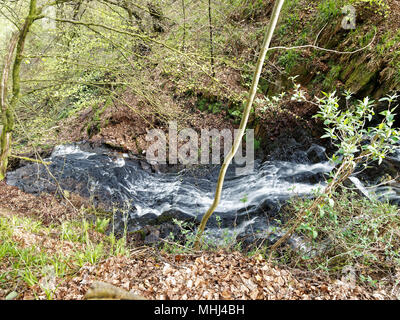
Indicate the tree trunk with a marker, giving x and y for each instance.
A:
(253, 90)
(5, 151)
(5, 136)
(211, 38)
(7, 109)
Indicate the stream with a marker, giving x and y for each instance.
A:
(145, 194)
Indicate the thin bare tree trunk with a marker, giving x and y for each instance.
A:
(211, 38)
(253, 90)
(184, 26)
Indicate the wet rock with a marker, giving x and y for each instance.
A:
(169, 215)
(288, 150)
(145, 166)
(306, 177)
(169, 229)
(317, 153)
(152, 235)
(270, 208)
(147, 218)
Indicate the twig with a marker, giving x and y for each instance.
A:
(325, 49)
(29, 159)
(319, 33)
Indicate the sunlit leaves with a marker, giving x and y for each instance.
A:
(348, 128)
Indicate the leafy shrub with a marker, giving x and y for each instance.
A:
(356, 145)
(351, 231)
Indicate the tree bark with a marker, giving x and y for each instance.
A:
(211, 38)
(253, 90)
(5, 136)
(7, 110)
(5, 151)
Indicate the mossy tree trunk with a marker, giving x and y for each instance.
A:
(7, 109)
(5, 151)
(5, 135)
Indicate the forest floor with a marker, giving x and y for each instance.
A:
(51, 252)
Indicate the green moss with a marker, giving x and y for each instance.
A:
(359, 77)
(164, 218)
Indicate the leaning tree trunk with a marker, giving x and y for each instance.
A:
(5, 135)
(253, 90)
(7, 109)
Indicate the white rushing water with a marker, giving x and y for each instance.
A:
(114, 179)
(249, 203)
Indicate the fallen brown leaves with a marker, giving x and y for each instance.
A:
(158, 275)
(44, 207)
(227, 276)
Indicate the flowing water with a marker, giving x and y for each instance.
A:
(248, 205)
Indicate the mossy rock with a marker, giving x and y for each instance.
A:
(360, 78)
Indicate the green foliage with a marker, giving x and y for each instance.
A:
(214, 107)
(387, 42)
(183, 243)
(289, 59)
(32, 265)
(94, 125)
(367, 37)
(347, 129)
(80, 96)
(350, 230)
(378, 6)
(248, 10)
(102, 225)
(290, 18)
(269, 103)
(235, 111)
(329, 9)
(257, 144)
(388, 48)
